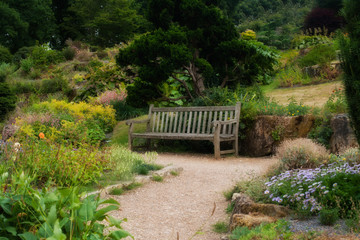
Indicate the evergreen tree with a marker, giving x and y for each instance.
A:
(350, 52)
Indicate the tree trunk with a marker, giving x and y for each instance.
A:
(197, 78)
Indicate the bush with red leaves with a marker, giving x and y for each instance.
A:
(323, 18)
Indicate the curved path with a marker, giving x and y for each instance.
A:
(182, 205)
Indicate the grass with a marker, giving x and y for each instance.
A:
(174, 173)
(157, 178)
(120, 134)
(220, 227)
(125, 188)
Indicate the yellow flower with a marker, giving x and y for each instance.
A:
(344, 159)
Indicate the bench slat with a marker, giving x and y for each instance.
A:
(162, 121)
(153, 122)
(175, 123)
(209, 122)
(189, 122)
(230, 125)
(194, 122)
(180, 122)
(204, 123)
(167, 114)
(158, 122)
(185, 123)
(199, 123)
(225, 119)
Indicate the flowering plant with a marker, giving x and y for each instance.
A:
(312, 189)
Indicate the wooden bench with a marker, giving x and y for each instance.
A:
(216, 124)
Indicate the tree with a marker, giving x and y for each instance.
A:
(23, 22)
(194, 38)
(335, 5)
(7, 98)
(350, 52)
(102, 23)
(323, 18)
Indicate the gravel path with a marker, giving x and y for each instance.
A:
(182, 205)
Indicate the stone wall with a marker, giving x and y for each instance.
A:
(268, 131)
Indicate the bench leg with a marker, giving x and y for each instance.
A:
(148, 144)
(130, 143)
(217, 148)
(236, 147)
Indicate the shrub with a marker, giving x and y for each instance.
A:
(26, 86)
(26, 65)
(69, 53)
(157, 178)
(305, 41)
(124, 111)
(331, 186)
(329, 216)
(5, 55)
(42, 56)
(351, 155)
(54, 214)
(320, 54)
(248, 35)
(108, 97)
(292, 76)
(7, 99)
(300, 153)
(55, 84)
(322, 132)
(220, 227)
(5, 70)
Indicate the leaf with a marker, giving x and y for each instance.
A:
(100, 214)
(86, 211)
(3, 238)
(58, 235)
(11, 230)
(6, 205)
(27, 236)
(115, 222)
(120, 234)
(109, 201)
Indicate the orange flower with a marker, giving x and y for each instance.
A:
(41, 135)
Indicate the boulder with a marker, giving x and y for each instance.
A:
(343, 136)
(268, 131)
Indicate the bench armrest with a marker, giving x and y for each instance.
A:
(129, 122)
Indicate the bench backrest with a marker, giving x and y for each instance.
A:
(192, 120)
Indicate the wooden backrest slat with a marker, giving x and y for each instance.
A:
(175, 122)
(193, 109)
(194, 122)
(225, 126)
(158, 122)
(162, 121)
(167, 114)
(209, 123)
(215, 118)
(185, 123)
(153, 121)
(181, 122)
(231, 125)
(199, 123)
(204, 123)
(189, 122)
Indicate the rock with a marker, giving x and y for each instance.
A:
(312, 71)
(249, 220)
(260, 140)
(248, 213)
(243, 204)
(343, 136)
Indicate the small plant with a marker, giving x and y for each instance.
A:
(174, 173)
(300, 153)
(69, 53)
(116, 191)
(26, 65)
(230, 208)
(321, 54)
(132, 186)
(329, 216)
(277, 133)
(157, 178)
(220, 227)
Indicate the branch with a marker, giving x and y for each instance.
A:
(174, 99)
(225, 78)
(184, 84)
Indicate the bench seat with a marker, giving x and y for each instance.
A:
(183, 136)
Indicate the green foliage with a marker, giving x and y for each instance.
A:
(174, 173)
(42, 56)
(102, 23)
(220, 227)
(265, 231)
(5, 55)
(320, 54)
(101, 78)
(337, 102)
(292, 76)
(7, 99)
(5, 70)
(26, 65)
(26, 21)
(157, 178)
(321, 132)
(53, 85)
(116, 191)
(302, 41)
(69, 53)
(350, 53)
(124, 111)
(55, 214)
(143, 168)
(329, 216)
(248, 35)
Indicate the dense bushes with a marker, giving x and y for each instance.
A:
(5, 55)
(7, 97)
(320, 54)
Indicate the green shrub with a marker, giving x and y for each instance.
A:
(21, 54)
(5, 70)
(220, 227)
(43, 56)
(55, 84)
(26, 65)
(5, 55)
(69, 53)
(7, 99)
(319, 55)
(300, 153)
(26, 86)
(322, 132)
(292, 76)
(329, 216)
(116, 191)
(157, 178)
(124, 111)
(54, 214)
(337, 102)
